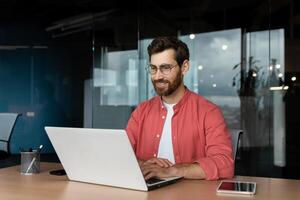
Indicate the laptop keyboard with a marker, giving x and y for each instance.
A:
(153, 180)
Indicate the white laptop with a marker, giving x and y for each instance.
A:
(100, 156)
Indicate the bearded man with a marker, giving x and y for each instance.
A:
(178, 132)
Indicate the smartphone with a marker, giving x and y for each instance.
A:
(236, 187)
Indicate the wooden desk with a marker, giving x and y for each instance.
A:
(44, 186)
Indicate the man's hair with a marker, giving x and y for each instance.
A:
(160, 44)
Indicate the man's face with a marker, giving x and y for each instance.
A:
(165, 85)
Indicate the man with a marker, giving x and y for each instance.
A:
(178, 132)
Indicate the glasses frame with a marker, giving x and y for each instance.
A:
(160, 69)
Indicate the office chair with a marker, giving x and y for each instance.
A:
(235, 138)
(7, 123)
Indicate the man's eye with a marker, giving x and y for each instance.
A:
(153, 68)
(165, 67)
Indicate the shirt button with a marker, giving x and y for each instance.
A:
(157, 135)
(154, 155)
(163, 117)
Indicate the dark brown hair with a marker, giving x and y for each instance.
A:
(160, 44)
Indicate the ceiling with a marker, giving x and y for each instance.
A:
(52, 10)
(61, 18)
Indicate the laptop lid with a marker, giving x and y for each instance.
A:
(99, 156)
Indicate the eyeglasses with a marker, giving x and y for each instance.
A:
(165, 69)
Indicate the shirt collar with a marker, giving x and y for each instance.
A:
(185, 97)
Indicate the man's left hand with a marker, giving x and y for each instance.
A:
(154, 170)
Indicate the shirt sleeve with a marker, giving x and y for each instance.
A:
(218, 162)
(132, 128)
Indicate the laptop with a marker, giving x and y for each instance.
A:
(101, 156)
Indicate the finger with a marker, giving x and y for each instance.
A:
(169, 163)
(141, 162)
(149, 175)
(158, 173)
(142, 168)
(165, 162)
(151, 161)
(147, 169)
(155, 161)
(162, 162)
(145, 172)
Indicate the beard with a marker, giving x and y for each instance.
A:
(171, 86)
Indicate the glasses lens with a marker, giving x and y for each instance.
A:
(165, 69)
(152, 69)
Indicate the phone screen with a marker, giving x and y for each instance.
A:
(237, 186)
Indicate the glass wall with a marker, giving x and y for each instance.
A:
(43, 85)
(238, 61)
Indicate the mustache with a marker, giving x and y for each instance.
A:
(161, 81)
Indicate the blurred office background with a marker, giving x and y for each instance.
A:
(81, 63)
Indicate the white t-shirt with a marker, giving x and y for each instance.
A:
(165, 149)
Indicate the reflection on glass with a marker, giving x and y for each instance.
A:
(212, 57)
(117, 78)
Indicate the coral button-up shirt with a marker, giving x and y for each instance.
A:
(199, 134)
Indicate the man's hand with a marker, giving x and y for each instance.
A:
(156, 167)
(163, 168)
(154, 170)
(162, 162)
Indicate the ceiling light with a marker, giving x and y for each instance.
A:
(279, 88)
(192, 36)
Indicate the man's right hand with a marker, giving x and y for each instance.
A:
(156, 167)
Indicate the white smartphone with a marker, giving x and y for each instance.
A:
(236, 187)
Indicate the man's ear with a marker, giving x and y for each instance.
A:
(185, 67)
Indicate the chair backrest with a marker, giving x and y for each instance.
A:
(7, 123)
(235, 137)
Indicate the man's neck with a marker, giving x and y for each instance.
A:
(176, 96)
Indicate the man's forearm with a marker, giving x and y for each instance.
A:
(189, 171)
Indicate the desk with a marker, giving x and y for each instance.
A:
(14, 186)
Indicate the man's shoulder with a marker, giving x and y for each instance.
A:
(149, 103)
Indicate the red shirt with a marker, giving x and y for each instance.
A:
(199, 134)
